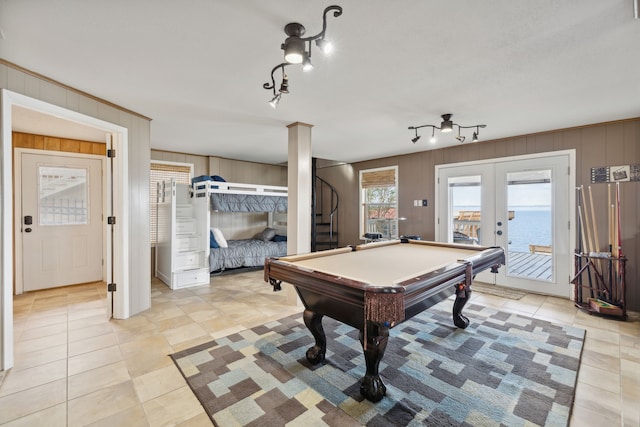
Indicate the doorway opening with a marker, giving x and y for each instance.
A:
(116, 265)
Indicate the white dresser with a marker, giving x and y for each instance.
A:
(182, 248)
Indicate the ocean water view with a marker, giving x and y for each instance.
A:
(531, 225)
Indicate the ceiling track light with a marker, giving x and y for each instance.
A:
(297, 49)
(446, 126)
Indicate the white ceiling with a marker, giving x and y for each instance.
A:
(197, 68)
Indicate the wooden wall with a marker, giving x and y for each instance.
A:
(42, 142)
(607, 144)
(248, 172)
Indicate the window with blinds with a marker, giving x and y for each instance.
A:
(164, 171)
(379, 201)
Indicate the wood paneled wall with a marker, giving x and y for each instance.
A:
(42, 142)
(607, 144)
(248, 172)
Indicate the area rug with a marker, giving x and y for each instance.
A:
(503, 370)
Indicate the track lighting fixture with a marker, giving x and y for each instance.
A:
(297, 50)
(414, 140)
(284, 86)
(446, 126)
(275, 100)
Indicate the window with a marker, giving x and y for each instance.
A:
(379, 201)
(164, 171)
(63, 196)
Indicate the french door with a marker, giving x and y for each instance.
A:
(522, 204)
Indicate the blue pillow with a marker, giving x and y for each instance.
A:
(201, 178)
(218, 178)
(212, 241)
(279, 238)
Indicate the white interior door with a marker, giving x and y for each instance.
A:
(522, 205)
(61, 220)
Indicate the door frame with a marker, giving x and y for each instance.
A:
(17, 169)
(119, 190)
(571, 192)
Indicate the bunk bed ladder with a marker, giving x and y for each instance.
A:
(324, 227)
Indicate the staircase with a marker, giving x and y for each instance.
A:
(324, 211)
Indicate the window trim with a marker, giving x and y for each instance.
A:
(361, 226)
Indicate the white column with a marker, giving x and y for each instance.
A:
(299, 189)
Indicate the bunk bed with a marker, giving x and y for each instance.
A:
(235, 197)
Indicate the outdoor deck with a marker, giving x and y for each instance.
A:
(530, 265)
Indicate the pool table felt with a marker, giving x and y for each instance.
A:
(386, 265)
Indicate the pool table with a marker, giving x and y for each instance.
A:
(374, 287)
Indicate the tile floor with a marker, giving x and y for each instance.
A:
(73, 367)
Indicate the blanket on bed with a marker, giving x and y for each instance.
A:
(245, 253)
(225, 202)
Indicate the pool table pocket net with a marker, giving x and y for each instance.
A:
(384, 307)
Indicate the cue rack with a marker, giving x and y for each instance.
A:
(599, 282)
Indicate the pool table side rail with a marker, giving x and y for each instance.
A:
(374, 245)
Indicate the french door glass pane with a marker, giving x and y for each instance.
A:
(530, 225)
(465, 198)
(63, 195)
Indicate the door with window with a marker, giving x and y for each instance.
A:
(520, 204)
(62, 236)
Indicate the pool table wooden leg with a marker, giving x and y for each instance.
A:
(313, 321)
(374, 345)
(463, 293)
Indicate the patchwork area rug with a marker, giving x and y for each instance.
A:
(504, 369)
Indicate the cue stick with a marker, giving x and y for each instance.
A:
(578, 288)
(594, 222)
(589, 233)
(609, 241)
(587, 227)
(584, 244)
(599, 263)
(588, 244)
(609, 216)
(619, 234)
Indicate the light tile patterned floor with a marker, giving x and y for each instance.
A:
(73, 367)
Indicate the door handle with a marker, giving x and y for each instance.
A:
(28, 220)
(27, 230)
(499, 232)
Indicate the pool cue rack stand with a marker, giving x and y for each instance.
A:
(600, 279)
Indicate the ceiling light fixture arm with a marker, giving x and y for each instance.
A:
(337, 12)
(273, 81)
(423, 126)
(470, 127)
